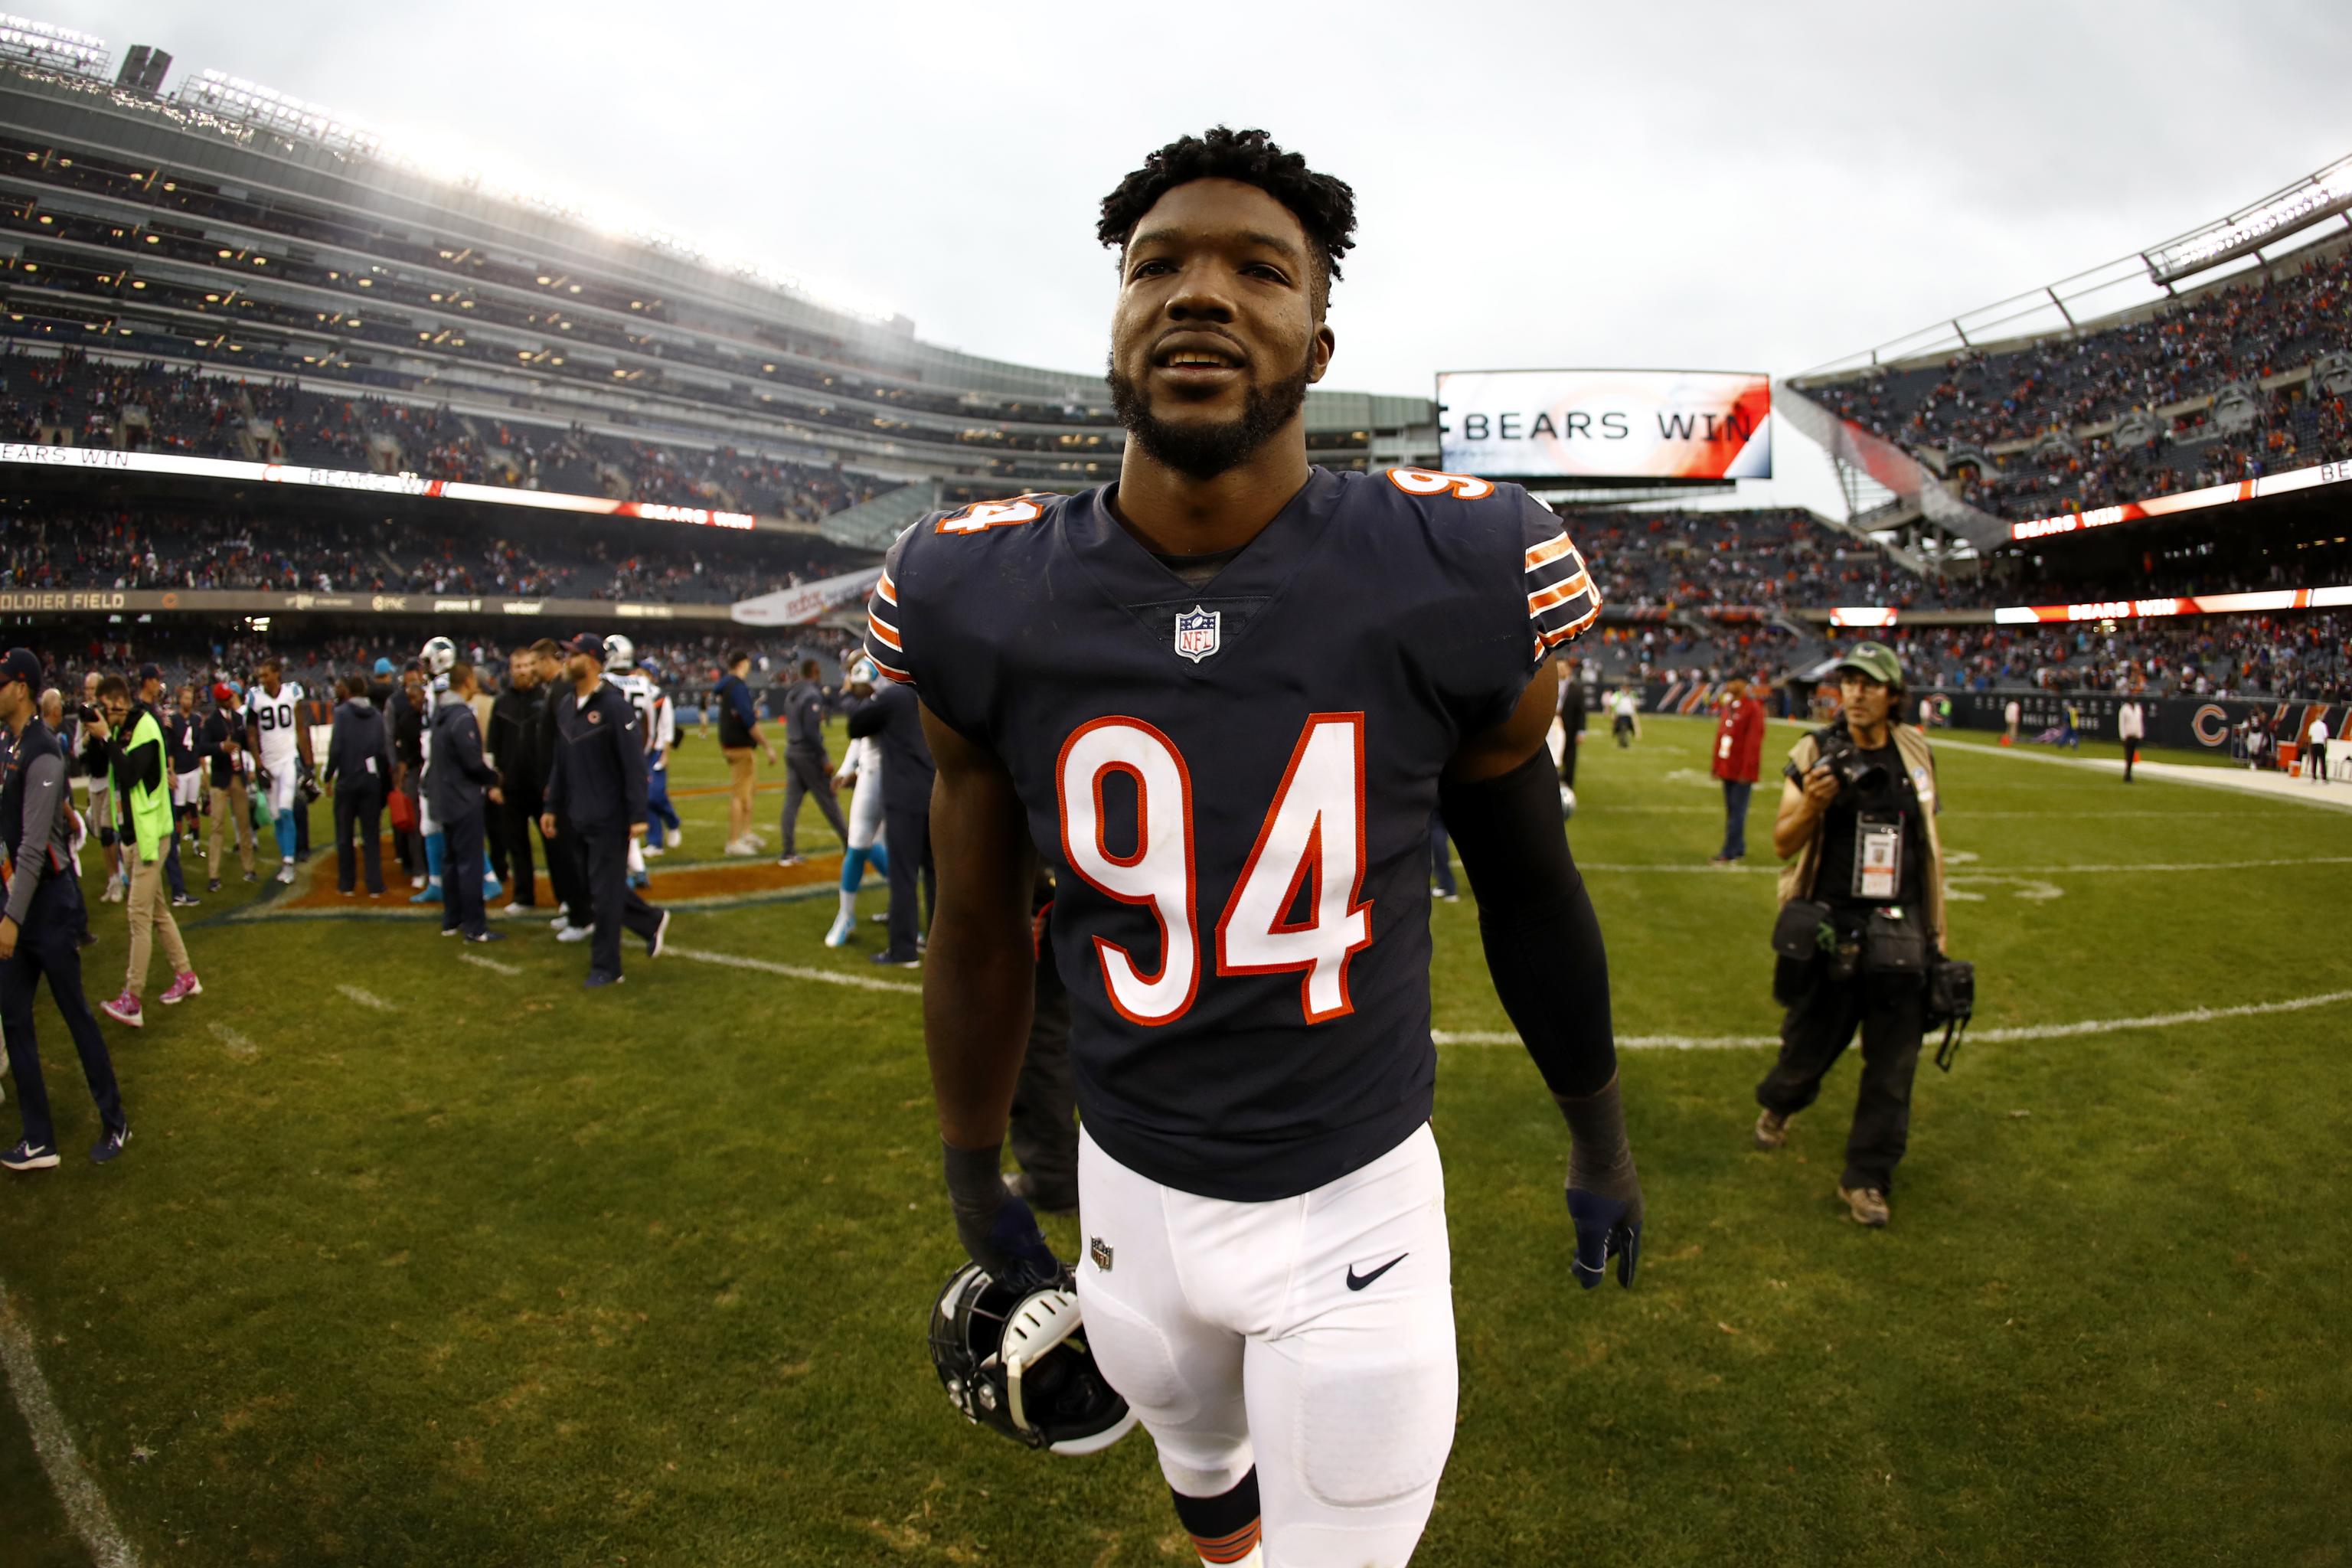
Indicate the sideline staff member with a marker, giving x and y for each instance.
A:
(1857, 829)
(596, 790)
(37, 931)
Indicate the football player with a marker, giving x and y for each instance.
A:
(620, 672)
(862, 762)
(661, 734)
(1226, 695)
(282, 742)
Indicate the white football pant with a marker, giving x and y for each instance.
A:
(1311, 1337)
(283, 782)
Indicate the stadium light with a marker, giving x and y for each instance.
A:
(58, 48)
(2298, 206)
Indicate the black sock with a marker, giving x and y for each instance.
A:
(1224, 1528)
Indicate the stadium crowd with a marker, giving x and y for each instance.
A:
(2259, 326)
(45, 546)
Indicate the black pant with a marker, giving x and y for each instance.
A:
(172, 868)
(908, 832)
(407, 844)
(1893, 1012)
(1441, 856)
(617, 904)
(807, 772)
(45, 945)
(511, 823)
(461, 875)
(1567, 758)
(567, 872)
(1044, 1128)
(301, 825)
(358, 805)
(2131, 755)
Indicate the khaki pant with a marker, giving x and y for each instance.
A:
(229, 804)
(150, 916)
(739, 792)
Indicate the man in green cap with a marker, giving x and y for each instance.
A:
(1856, 834)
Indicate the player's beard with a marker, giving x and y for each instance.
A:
(1203, 451)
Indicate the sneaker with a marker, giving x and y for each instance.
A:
(124, 1010)
(788, 859)
(661, 935)
(212, 886)
(30, 1157)
(575, 934)
(286, 873)
(597, 979)
(252, 877)
(650, 850)
(844, 925)
(1867, 1204)
(451, 930)
(487, 936)
(880, 917)
(902, 960)
(508, 912)
(417, 881)
(558, 922)
(186, 900)
(1771, 1129)
(109, 1145)
(113, 894)
(743, 847)
(183, 985)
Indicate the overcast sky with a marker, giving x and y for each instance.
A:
(1716, 185)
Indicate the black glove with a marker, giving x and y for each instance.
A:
(1604, 1192)
(996, 1228)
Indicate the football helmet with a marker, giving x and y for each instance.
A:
(439, 654)
(620, 653)
(861, 672)
(1016, 1361)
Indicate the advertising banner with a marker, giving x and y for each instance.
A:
(239, 602)
(2184, 501)
(106, 459)
(800, 605)
(1606, 424)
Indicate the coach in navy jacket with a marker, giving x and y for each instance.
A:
(895, 719)
(359, 773)
(454, 783)
(596, 790)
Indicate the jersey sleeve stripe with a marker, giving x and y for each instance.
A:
(886, 667)
(881, 632)
(1550, 549)
(886, 588)
(1559, 593)
(1554, 639)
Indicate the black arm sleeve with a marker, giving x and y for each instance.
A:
(1536, 922)
(867, 718)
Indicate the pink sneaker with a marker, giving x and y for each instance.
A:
(183, 985)
(124, 1010)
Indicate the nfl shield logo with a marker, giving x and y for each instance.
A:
(1196, 633)
(1100, 1252)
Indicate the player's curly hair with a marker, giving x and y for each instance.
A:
(1324, 205)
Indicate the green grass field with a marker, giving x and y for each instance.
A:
(417, 1261)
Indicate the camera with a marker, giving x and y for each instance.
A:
(1856, 773)
(84, 712)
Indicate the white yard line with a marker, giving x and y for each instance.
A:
(238, 1046)
(1967, 868)
(84, 1504)
(1992, 1036)
(795, 971)
(367, 998)
(478, 960)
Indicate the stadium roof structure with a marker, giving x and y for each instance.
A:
(221, 227)
(2244, 241)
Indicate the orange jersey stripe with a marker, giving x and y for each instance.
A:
(1550, 549)
(1230, 1548)
(1553, 639)
(882, 633)
(886, 588)
(1559, 593)
(896, 674)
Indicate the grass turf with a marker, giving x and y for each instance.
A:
(493, 1271)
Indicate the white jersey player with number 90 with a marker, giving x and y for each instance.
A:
(283, 746)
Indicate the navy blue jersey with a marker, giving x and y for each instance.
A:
(1234, 784)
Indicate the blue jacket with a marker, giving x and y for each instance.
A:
(598, 781)
(456, 776)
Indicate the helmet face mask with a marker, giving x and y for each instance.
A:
(1016, 1361)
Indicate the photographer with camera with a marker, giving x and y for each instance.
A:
(1861, 932)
